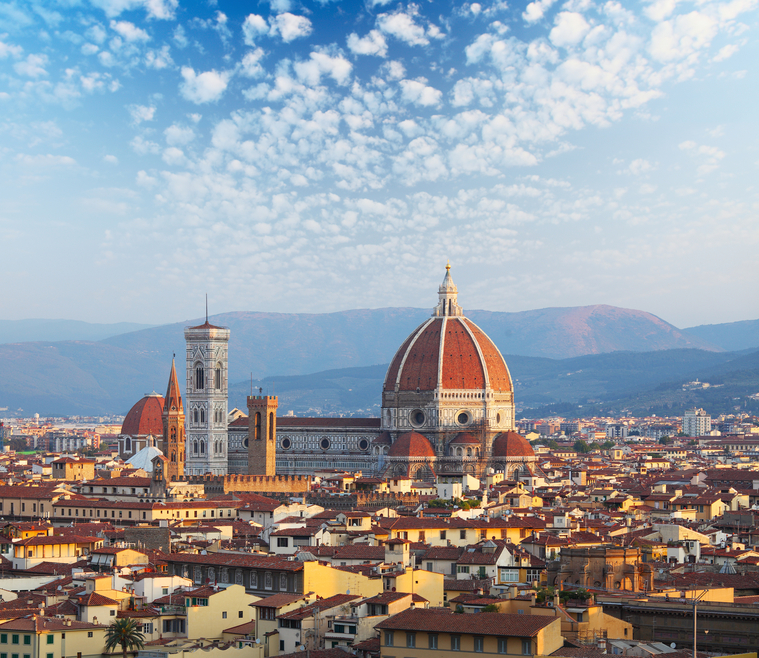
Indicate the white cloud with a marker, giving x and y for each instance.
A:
(253, 26)
(47, 160)
(570, 28)
(204, 87)
(372, 44)
(251, 67)
(280, 6)
(291, 27)
(680, 37)
(725, 52)
(640, 166)
(140, 113)
(142, 146)
(89, 49)
(394, 69)
(32, 67)
(419, 93)
(173, 156)
(402, 26)
(159, 59)
(709, 157)
(310, 71)
(179, 37)
(10, 50)
(129, 31)
(160, 9)
(110, 159)
(177, 135)
(536, 10)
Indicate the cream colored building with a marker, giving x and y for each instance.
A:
(210, 611)
(43, 637)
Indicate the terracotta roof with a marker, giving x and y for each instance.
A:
(145, 417)
(511, 444)
(37, 624)
(250, 561)
(277, 601)
(321, 604)
(248, 628)
(465, 438)
(411, 444)
(436, 620)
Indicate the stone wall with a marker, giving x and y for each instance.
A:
(157, 539)
(368, 500)
(223, 484)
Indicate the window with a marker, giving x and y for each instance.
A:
(463, 569)
(14, 639)
(442, 534)
(455, 643)
(199, 378)
(113, 613)
(239, 615)
(410, 640)
(282, 542)
(89, 633)
(254, 579)
(224, 615)
(429, 566)
(4, 638)
(389, 637)
(50, 655)
(526, 648)
(509, 575)
(27, 639)
(164, 590)
(462, 534)
(503, 645)
(50, 639)
(282, 582)
(268, 580)
(479, 644)
(432, 638)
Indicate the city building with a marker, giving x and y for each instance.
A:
(696, 422)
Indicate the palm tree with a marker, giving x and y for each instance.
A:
(124, 632)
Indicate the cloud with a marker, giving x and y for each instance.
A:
(570, 28)
(10, 50)
(640, 166)
(140, 113)
(110, 159)
(680, 37)
(725, 52)
(310, 71)
(177, 135)
(160, 9)
(419, 93)
(159, 59)
(372, 44)
(402, 26)
(47, 160)
(32, 67)
(253, 26)
(709, 157)
(205, 87)
(536, 10)
(250, 65)
(129, 31)
(291, 27)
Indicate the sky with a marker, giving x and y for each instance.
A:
(315, 156)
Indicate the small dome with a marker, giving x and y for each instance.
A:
(466, 437)
(145, 417)
(411, 444)
(144, 458)
(383, 439)
(511, 444)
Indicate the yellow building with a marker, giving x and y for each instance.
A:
(421, 633)
(49, 637)
(210, 611)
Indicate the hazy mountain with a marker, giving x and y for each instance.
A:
(730, 336)
(17, 331)
(112, 374)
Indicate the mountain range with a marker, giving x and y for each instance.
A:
(105, 376)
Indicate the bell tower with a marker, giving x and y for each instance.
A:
(172, 444)
(262, 434)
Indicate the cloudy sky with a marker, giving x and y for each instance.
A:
(310, 156)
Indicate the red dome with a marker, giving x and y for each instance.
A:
(470, 360)
(411, 444)
(465, 438)
(511, 444)
(145, 417)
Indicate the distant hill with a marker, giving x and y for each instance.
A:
(108, 376)
(17, 331)
(730, 336)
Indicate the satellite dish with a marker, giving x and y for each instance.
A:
(672, 645)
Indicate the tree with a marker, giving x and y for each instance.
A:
(124, 632)
(665, 440)
(581, 446)
(606, 445)
(552, 444)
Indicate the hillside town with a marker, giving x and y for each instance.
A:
(446, 524)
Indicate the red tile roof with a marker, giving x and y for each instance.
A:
(440, 621)
(145, 417)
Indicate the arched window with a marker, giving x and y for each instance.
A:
(202, 447)
(127, 445)
(271, 426)
(202, 415)
(200, 382)
(173, 434)
(257, 426)
(195, 447)
(173, 457)
(195, 415)
(217, 377)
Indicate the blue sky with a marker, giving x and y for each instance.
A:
(293, 156)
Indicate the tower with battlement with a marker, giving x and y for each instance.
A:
(262, 434)
(206, 397)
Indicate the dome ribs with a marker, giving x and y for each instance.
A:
(461, 362)
(420, 368)
(145, 417)
(498, 372)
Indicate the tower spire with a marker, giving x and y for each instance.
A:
(447, 296)
(206, 308)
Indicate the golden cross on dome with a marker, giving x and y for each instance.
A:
(448, 265)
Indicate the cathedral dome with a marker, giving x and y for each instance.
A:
(411, 444)
(465, 438)
(511, 444)
(145, 417)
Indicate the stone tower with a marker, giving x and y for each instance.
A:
(262, 435)
(206, 397)
(173, 441)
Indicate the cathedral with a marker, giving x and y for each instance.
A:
(447, 410)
